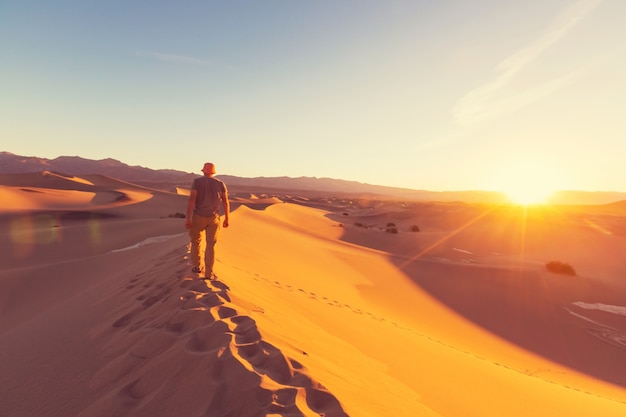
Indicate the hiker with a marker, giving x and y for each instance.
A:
(208, 195)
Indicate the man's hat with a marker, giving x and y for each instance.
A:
(209, 168)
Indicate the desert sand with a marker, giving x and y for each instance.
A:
(322, 306)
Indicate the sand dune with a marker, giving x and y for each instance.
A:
(252, 201)
(58, 192)
(414, 331)
(312, 314)
(183, 191)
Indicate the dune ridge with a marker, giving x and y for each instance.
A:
(183, 336)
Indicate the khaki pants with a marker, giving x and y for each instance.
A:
(203, 234)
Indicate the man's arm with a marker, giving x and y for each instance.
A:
(226, 206)
(191, 204)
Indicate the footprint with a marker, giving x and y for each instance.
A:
(324, 403)
(210, 338)
(152, 345)
(245, 330)
(155, 298)
(226, 312)
(187, 321)
(123, 321)
(268, 360)
(210, 300)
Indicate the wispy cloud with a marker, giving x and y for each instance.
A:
(180, 59)
(490, 100)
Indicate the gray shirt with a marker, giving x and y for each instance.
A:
(209, 197)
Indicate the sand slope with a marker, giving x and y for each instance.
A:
(417, 348)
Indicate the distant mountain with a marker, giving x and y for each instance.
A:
(168, 179)
(324, 186)
(75, 165)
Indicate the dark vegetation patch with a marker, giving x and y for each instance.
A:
(558, 267)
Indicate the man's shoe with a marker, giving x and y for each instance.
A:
(196, 270)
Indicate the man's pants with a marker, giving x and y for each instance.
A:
(207, 228)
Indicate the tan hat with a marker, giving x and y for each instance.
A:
(209, 168)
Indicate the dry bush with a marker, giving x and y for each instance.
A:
(560, 268)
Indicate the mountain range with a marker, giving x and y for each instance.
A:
(169, 180)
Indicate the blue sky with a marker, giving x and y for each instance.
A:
(439, 95)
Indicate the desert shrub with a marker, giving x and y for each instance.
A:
(392, 230)
(178, 215)
(391, 224)
(415, 228)
(560, 268)
(359, 224)
(345, 214)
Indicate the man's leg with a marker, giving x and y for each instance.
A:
(212, 230)
(195, 235)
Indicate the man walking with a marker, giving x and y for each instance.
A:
(208, 194)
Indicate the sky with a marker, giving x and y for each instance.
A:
(422, 94)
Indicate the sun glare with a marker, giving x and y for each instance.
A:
(527, 194)
(527, 184)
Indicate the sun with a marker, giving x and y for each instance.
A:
(529, 194)
(526, 183)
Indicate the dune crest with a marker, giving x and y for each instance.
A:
(72, 178)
